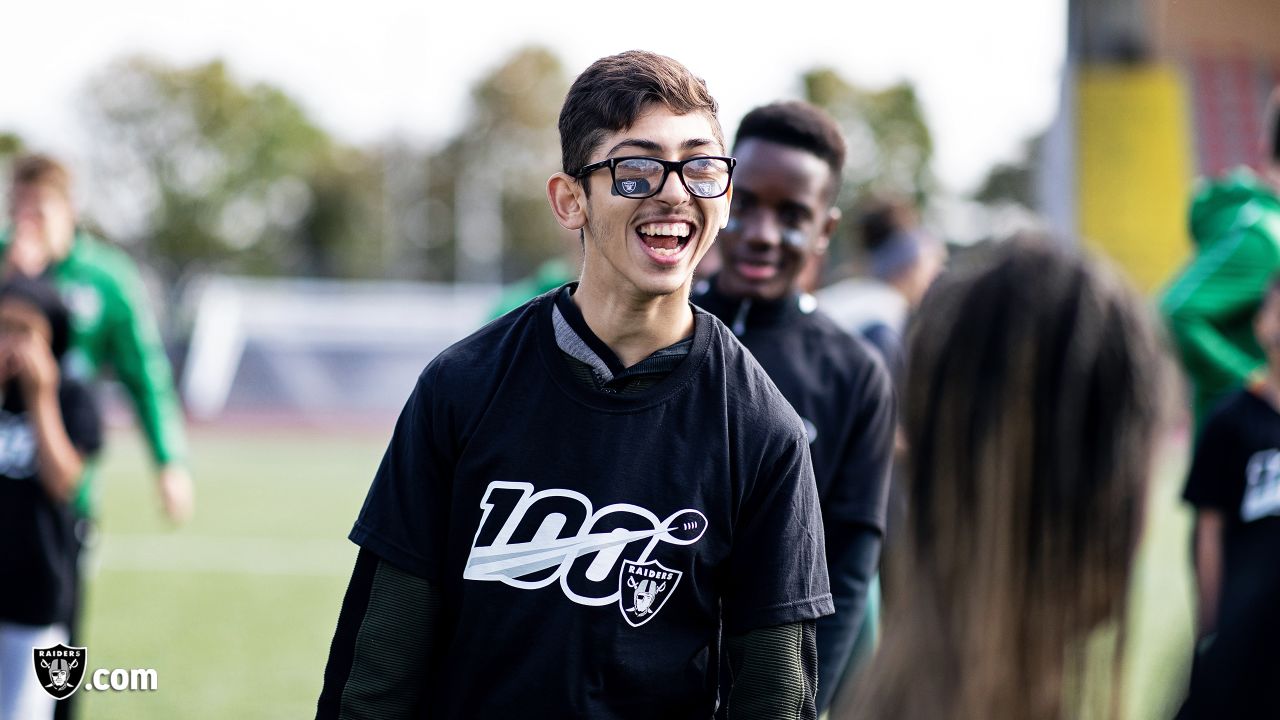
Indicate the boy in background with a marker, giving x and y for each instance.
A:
(49, 429)
(1234, 485)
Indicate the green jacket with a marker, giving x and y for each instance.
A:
(548, 276)
(1210, 304)
(112, 326)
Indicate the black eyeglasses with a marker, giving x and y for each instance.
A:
(705, 176)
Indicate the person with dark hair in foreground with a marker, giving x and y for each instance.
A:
(592, 499)
(1031, 417)
(790, 158)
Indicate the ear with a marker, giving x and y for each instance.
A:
(823, 241)
(567, 201)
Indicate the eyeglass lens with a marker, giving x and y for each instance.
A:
(638, 177)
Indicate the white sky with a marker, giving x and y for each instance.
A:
(986, 70)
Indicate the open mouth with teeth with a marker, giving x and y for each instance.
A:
(665, 241)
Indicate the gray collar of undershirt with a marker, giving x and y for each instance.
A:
(575, 347)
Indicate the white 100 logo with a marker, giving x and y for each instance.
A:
(529, 540)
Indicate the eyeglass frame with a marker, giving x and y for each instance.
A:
(668, 167)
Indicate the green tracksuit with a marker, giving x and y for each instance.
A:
(1210, 305)
(112, 326)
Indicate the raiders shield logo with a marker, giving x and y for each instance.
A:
(628, 186)
(644, 589)
(60, 668)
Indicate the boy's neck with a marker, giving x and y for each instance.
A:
(634, 326)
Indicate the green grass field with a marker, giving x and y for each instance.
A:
(236, 610)
(1160, 616)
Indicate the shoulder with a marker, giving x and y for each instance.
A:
(825, 327)
(105, 265)
(480, 355)
(1231, 413)
(90, 249)
(856, 302)
(880, 334)
(753, 401)
(851, 356)
(1241, 404)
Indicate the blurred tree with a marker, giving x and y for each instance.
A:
(1014, 182)
(438, 248)
(10, 145)
(890, 148)
(201, 172)
(487, 185)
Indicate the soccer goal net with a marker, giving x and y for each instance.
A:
(319, 348)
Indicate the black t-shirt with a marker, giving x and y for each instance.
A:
(1236, 469)
(37, 560)
(841, 390)
(590, 545)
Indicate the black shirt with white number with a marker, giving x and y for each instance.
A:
(589, 545)
(37, 544)
(1236, 470)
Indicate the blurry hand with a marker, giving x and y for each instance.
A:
(36, 368)
(8, 361)
(177, 493)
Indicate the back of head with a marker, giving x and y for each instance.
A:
(611, 94)
(880, 218)
(798, 125)
(1030, 414)
(899, 251)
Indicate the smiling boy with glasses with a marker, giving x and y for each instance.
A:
(584, 497)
